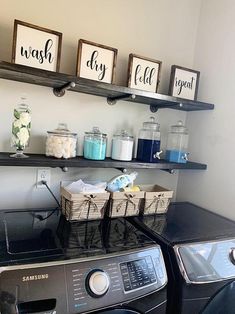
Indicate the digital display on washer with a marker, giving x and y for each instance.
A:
(138, 273)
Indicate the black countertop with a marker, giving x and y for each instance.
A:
(26, 238)
(185, 222)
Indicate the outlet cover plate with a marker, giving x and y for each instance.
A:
(43, 175)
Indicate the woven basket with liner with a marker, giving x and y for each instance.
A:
(79, 206)
(157, 199)
(124, 204)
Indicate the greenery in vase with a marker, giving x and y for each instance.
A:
(21, 127)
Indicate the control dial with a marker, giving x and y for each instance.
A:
(232, 255)
(97, 283)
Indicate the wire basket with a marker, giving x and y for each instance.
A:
(124, 204)
(79, 206)
(157, 199)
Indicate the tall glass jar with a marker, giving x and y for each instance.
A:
(122, 146)
(95, 144)
(21, 128)
(149, 141)
(177, 143)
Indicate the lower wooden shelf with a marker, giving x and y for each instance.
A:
(40, 160)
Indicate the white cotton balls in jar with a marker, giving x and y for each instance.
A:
(61, 143)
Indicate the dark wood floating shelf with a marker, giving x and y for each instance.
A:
(60, 82)
(39, 160)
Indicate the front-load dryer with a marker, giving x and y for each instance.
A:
(199, 251)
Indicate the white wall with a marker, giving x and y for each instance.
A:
(161, 29)
(212, 133)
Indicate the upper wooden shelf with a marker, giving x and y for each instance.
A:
(57, 81)
(40, 160)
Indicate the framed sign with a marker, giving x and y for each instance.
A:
(36, 46)
(96, 62)
(184, 82)
(143, 73)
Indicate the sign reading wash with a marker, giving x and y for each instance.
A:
(184, 82)
(96, 62)
(36, 46)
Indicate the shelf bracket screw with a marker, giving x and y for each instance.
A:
(60, 91)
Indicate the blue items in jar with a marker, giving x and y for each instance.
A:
(95, 144)
(148, 149)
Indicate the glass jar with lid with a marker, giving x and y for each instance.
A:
(149, 140)
(61, 143)
(122, 146)
(95, 144)
(177, 143)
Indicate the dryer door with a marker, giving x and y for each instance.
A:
(222, 302)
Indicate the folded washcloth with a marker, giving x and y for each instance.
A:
(82, 187)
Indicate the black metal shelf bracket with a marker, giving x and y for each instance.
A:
(123, 170)
(59, 92)
(153, 108)
(113, 100)
(170, 171)
(64, 169)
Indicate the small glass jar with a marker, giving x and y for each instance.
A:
(177, 143)
(122, 146)
(61, 143)
(149, 141)
(95, 144)
(21, 128)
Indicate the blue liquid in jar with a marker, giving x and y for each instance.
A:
(94, 149)
(176, 156)
(147, 149)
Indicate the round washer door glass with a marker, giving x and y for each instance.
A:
(222, 302)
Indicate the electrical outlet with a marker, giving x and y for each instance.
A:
(43, 175)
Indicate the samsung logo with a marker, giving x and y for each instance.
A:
(35, 277)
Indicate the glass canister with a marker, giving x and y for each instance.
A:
(149, 141)
(61, 143)
(21, 128)
(177, 143)
(122, 146)
(95, 144)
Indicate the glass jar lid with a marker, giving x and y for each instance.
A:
(96, 132)
(151, 124)
(124, 136)
(62, 130)
(179, 128)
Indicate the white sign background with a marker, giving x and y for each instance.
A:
(30, 37)
(105, 57)
(141, 85)
(184, 75)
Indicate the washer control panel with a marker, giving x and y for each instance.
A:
(138, 273)
(84, 285)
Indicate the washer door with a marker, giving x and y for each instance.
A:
(119, 311)
(223, 302)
